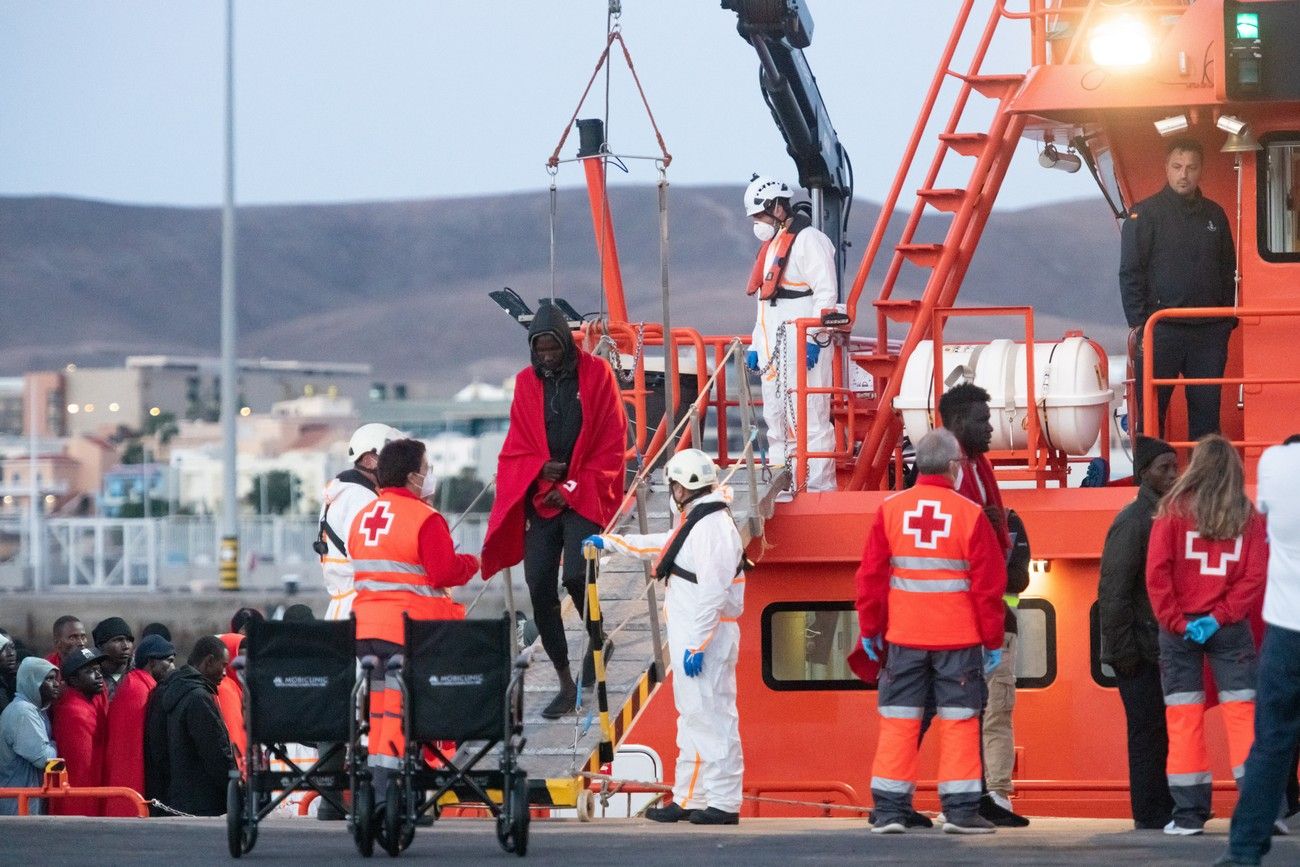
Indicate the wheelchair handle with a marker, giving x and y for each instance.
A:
(239, 663)
(395, 662)
(369, 662)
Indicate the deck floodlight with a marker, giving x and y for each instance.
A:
(1121, 41)
(1051, 158)
(1172, 125)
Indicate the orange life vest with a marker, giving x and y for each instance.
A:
(766, 281)
(930, 603)
(384, 544)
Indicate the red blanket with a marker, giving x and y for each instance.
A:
(594, 484)
(80, 727)
(124, 753)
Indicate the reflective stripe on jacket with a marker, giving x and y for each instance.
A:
(389, 575)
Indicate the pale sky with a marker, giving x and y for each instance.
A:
(343, 100)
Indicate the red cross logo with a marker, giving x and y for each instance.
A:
(927, 523)
(1205, 549)
(376, 522)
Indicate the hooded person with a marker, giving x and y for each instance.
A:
(197, 747)
(124, 755)
(80, 726)
(559, 480)
(26, 739)
(8, 669)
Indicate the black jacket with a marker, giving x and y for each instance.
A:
(198, 748)
(157, 772)
(1175, 252)
(1128, 625)
(561, 406)
(1017, 567)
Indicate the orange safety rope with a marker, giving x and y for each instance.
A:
(554, 159)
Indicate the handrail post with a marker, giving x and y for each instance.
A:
(652, 597)
(747, 419)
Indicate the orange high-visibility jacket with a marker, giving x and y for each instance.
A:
(932, 574)
(404, 560)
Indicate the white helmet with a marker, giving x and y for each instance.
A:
(762, 190)
(692, 469)
(371, 438)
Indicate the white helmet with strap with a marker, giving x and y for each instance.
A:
(692, 469)
(762, 190)
(371, 438)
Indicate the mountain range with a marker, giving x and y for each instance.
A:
(403, 285)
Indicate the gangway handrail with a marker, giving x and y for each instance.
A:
(1150, 409)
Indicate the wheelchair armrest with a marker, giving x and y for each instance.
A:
(369, 662)
(523, 660)
(395, 662)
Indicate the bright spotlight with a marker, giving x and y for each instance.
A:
(1231, 125)
(1172, 125)
(1120, 41)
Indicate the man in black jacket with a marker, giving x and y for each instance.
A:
(1176, 251)
(197, 745)
(1128, 633)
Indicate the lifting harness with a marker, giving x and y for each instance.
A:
(667, 563)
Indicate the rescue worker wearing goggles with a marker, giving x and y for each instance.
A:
(702, 561)
(794, 277)
(929, 599)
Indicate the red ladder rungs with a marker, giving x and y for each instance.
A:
(924, 255)
(995, 86)
(899, 309)
(943, 200)
(968, 144)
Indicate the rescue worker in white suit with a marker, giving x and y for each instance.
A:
(345, 496)
(701, 560)
(794, 277)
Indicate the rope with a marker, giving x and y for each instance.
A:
(617, 786)
(614, 35)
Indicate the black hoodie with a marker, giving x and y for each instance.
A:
(561, 407)
(198, 748)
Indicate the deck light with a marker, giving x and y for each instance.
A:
(1051, 158)
(1172, 125)
(1120, 41)
(1231, 125)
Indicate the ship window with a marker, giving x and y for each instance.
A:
(1035, 644)
(1102, 673)
(1279, 199)
(805, 645)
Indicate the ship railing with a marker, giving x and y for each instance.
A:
(1247, 317)
(1052, 22)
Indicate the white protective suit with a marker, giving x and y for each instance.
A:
(345, 496)
(703, 615)
(811, 266)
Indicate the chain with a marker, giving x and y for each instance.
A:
(154, 802)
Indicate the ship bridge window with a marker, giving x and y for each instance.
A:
(1279, 198)
(1035, 643)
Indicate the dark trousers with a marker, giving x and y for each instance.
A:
(1148, 746)
(1192, 351)
(547, 541)
(1272, 755)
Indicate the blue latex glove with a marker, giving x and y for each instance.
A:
(751, 360)
(1200, 629)
(596, 542)
(811, 354)
(693, 662)
(872, 648)
(992, 659)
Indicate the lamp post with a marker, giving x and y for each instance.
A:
(229, 569)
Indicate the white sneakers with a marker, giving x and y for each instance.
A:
(1177, 830)
(894, 827)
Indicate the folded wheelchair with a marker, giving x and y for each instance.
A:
(460, 682)
(301, 686)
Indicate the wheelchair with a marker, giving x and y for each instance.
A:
(459, 682)
(301, 686)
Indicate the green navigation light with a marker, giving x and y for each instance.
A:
(1247, 25)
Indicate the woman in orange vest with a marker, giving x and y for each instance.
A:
(1207, 561)
(404, 561)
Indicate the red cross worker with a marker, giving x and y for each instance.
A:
(931, 584)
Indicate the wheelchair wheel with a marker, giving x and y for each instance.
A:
(398, 832)
(363, 819)
(241, 834)
(512, 823)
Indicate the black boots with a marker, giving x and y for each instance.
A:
(566, 701)
(589, 665)
(669, 813)
(714, 816)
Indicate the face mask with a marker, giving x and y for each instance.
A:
(428, 486)
(764, 231)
